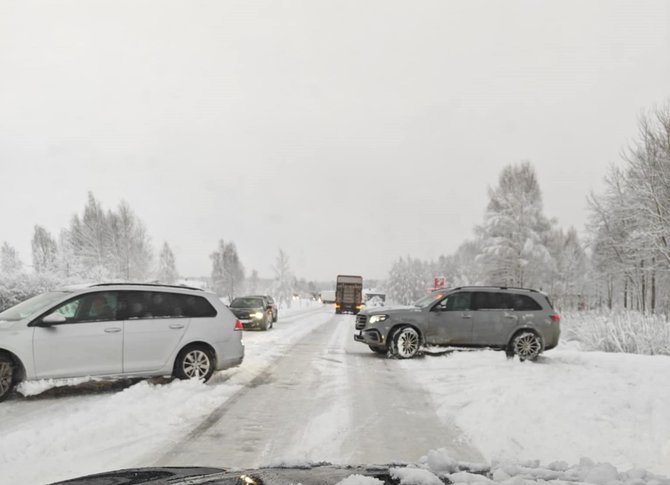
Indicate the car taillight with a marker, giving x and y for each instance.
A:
(555, 317)
(238, 325)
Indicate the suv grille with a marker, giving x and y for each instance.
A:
(361, 320)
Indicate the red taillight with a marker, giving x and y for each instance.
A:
(238, 325)
(555, 317)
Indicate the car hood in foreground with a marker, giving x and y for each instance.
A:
(308, 475)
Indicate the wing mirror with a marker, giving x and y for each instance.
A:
(52, 319)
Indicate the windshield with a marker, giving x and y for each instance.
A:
(406, 180)
(32, 307)
(428, 300)
(247, 303)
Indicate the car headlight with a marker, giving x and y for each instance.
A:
(377, 318)
(257, 315)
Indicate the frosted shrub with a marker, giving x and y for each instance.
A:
(630, 332)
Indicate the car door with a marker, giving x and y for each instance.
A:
(154, 325)
(494, 318)
(451, 320)
(88, 343)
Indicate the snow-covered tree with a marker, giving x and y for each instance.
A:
(409, 280)
(515, 230)
(44, 250)
(10, 264)
(233, 272)
(167, 268)
(253, 282)
(130, 249)
(284, 279)
(218, 271)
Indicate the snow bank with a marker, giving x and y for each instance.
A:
(361, 480)
(438, 468)
(569, 404)
(630, 332)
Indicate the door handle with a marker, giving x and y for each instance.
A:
(112, 330)
(466, 315)
(176, 325)
(511, 317)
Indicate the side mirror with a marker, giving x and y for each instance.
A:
(52, 319)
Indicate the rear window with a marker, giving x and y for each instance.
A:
(524, 303)
(159, 304)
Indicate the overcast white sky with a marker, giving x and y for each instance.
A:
(346, 132)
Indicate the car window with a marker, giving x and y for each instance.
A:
(489, 300)
(159, 304)
(91, 307)
(524, 303)
(458, 302)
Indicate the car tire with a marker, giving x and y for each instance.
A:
(527, 345)
(7, 380)
(378, 350)
(194, 362)
(406, 342)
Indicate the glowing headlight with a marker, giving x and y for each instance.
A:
(378, 318)
(257, 315)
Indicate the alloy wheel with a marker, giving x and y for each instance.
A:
(196, 364)
(527, 346)
(407, 343)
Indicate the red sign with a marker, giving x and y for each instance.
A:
(439, 282)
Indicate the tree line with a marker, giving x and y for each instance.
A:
(623, 261)
(114, 245)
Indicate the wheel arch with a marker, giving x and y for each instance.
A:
(197, 343)
(20, 370)
(521, 330)
(397, 326)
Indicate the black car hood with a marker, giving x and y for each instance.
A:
(244, 312)
(309, 475)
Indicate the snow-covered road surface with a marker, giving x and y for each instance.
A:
(307, 392)
(328, 399)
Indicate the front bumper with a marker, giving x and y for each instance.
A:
(251, 323)
(370, 336)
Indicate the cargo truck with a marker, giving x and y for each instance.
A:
(349, 294)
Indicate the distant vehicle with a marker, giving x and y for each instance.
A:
(270, 302)
(253, 312)
(520, 321)
(349, 294)
(328, 296)
(117, 330)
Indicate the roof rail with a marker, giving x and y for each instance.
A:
(157, 285)
(492, 287)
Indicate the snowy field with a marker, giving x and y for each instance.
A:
(307, 392)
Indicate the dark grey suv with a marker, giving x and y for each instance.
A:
(520, 321)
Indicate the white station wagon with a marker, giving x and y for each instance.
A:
(118, 330)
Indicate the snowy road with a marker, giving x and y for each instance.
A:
(307, 392)
(327, 399)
